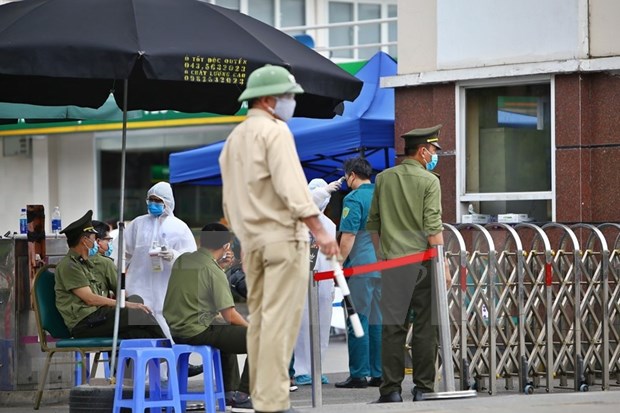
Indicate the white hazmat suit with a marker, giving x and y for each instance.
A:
(143, 278)
(321, 196)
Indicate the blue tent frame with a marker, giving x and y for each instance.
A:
(366, 128)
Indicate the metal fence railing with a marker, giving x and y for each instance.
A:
(535, 306)
(531, 306)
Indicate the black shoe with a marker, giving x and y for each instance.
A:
(375, 381)
(242, 403)
(353, 383)
(418, 395)
(393, 397)
(228, 397)
(193, 370)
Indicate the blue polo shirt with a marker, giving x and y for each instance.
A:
(355, 210)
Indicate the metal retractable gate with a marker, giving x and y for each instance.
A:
(611, 232)
(566, 306)
(535, 309)
(535, 303)
(532, 306)
(479, 343)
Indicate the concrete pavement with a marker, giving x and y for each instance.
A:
(356, 400)
(590, 402)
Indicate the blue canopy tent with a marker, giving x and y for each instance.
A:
(365, 127)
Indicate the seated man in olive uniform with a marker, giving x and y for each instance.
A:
(199, 308)
(104, 266)
(82, 295)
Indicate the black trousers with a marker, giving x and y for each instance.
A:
(230, 340)
(407, 290)
(133, 323)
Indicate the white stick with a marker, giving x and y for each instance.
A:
(346, 293)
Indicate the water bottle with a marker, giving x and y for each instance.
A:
(157, 263)
(56, 221)
(23, 222)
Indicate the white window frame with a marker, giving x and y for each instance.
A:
(244, 7)
(358, 25)
(317, 18)
(463, 198)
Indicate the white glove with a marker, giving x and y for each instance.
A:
(333, 186)
(168, 255)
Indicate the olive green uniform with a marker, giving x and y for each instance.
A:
(105, 271)
(197, 291)
(73, 272)
(85, 320)
(405, 210)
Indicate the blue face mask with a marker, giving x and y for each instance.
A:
(433, 162)
(155, 208)
(110, 250)
(92, 251)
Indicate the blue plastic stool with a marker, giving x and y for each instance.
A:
(147, 353)
(105, 360)
(213, 390)
(145, 342)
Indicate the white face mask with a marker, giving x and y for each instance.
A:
(285, 107)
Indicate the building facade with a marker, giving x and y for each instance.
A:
(528, 93)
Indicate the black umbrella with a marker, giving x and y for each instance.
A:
(185, 55)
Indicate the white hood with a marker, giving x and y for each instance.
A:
(320, 196)
(163, 190)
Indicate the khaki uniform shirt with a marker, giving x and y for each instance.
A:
(197, 291)
(265, 193)
(405, 209)
(73, 272)
(105, 270)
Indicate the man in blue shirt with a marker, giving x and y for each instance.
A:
(357, 249)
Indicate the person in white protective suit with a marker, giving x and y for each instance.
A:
(152, 243)
(321, 194)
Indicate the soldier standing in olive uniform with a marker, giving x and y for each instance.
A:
(82, 296)
(406, 216)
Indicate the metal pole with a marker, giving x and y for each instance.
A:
(524, 367)
(315, 341)
(444, 323)
(492, 323)
(445, 340)
(578, 358)
(549, 319)
(465, 379)
(121, 255)
(605, 304)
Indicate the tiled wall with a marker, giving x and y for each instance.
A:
(587, 138)
(426, 106)
(588, 147)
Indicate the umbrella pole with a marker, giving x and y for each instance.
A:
(120, 297)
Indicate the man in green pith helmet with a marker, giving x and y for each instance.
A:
(269, 207)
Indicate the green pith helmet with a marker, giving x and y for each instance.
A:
(270, 81)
